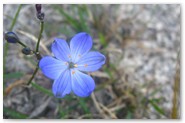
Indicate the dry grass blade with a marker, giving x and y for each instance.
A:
(17, 83)
(34, 39)
(100, 74)
(117, 107)
(112, 115)
(41, 108)
(13, 85)
(174, 114)
(98, 106)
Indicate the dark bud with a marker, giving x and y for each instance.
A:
(11, 37)
(38, 8)
(26, 51)
(40, 16)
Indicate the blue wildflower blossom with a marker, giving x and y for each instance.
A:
(69, 64)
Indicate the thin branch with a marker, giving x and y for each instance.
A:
(97, 105)
(112, 115)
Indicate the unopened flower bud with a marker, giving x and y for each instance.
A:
(11, 37)
(38, 8)
(40, 16)
(26, 51)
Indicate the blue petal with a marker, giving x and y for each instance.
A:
(62, 85)
(52, 67)
(92, 61)
(61, 50)
(82, 84)
(80, 44)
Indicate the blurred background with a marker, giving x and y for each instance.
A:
(140, 79)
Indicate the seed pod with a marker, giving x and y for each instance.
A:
(26, 51)
(11, 37)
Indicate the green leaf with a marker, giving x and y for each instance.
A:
(78, 25)
(102, 40)
(109, 72)
(15, 75)
(129, 115)
(156, 90)
(82, 11)
(42, 89)
(10, 113)
(157, 100)
(156, 107)
(84, 106)
(74, 23)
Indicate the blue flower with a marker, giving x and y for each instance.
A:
(69, 64)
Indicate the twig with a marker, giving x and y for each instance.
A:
(97, 106)
(41, 108)
(112, 115)
(117, 107)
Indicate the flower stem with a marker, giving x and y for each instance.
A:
(21, 44)
(40, 35)
(37, 51)
(34, 73)
(7, 45)
(10, 29)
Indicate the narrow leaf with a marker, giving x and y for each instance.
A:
(156, 107)
(42, 89)
(15, 75)
(10, 113)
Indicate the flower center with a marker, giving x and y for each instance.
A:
(72, 65)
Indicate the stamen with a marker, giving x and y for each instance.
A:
(69, 56)
(75, 65)
(66, 63)
(73, 72)
(85, 65)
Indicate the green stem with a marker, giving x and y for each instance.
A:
(24, 45)
(10, 29)
(15, 18)
(34, 73)
(40, 35)
(7, 45)
(37, 50)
